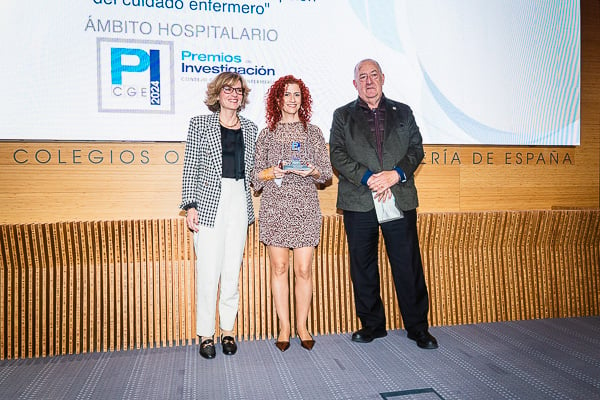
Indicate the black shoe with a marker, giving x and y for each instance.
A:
(424, 339)
(207, 349)
(229, 346)
(366, 334)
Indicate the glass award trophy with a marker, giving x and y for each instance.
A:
(298, 159)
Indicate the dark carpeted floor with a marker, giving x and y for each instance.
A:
(540, 359)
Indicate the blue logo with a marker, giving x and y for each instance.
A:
(146, 60)
(135, 76)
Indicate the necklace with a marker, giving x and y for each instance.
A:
(237, 120)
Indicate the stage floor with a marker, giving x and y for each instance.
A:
(536, 359)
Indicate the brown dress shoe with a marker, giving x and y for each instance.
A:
(308, 344)
(283, 346)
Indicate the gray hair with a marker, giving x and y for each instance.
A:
(357, 66)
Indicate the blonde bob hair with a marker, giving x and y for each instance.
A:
(214, 89)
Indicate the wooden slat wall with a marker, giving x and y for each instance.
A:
(94, 286)
(103, 286)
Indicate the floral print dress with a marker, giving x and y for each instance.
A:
(290, 214)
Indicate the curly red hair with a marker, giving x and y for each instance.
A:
(275, 96)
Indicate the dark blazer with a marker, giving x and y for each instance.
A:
(203, 166)
(353, 152)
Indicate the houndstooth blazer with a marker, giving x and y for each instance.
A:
(203, 166)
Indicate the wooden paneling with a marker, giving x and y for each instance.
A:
(94, 286)
(52, 193)
(76, 287)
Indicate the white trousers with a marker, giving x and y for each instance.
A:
(219, 252)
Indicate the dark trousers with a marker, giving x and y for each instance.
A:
(402, 246)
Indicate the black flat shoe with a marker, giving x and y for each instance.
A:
(367, 335)
(283, 346)
(424, 339)
(229, 346)
(207, 349)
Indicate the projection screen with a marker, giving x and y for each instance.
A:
(492, 72)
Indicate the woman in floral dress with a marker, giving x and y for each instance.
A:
(291, 159)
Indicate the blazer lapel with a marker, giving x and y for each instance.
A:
(214, 142)
(391, 119)
(248, 155)
(361, 124)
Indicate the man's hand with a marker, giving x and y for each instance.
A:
(383, 196)
(382, 181)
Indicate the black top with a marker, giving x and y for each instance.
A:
(232, 142)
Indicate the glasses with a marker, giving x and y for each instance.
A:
(229, 90)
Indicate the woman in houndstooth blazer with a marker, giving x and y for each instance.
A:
(218, 162)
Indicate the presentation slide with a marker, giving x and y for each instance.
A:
(491, 72)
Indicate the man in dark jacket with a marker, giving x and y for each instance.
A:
(376, 147)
